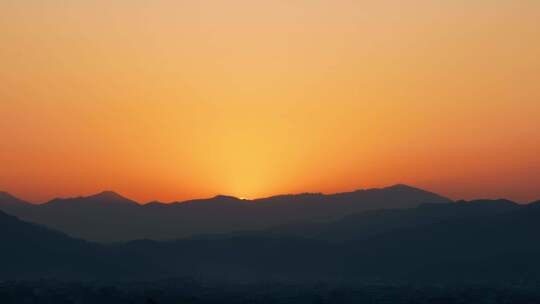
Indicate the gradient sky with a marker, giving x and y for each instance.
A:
(173, 100)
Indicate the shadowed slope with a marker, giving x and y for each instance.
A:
(485, 241)
(372, 223)
(7, 199)
(108, 198)
(110, 217)
(31, 250)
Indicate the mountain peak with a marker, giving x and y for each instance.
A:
(403, 187)
(423, 195)
(7, 198)
(102, 198)
(108, 195)
(5, 194)
(218, 200)
(225, 197)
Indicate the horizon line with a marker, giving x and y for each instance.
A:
(242, 198)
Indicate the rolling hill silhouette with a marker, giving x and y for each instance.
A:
(492, 241)
(110, 217)
(105, 198)
(31, 250)
(376, 222)
(7, 200)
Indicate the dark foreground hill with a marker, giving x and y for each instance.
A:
(488, 242)
(108, 216)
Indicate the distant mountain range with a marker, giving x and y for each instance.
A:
(493, 241)
(108, 216)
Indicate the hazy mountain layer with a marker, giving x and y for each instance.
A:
(110, 217)
(479, 241)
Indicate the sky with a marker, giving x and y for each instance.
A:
(172, 100)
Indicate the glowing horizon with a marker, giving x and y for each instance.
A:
(85, 195)
(173, 100)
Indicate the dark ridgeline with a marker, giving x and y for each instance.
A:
(435, 251)
(9, 201)
(479, 240)
(110, 217)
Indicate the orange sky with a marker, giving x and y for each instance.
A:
(172, 100)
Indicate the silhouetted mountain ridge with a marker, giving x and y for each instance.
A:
(8, 199)
(105, 197)
(479, 241)
(108, 216)
(371, 223)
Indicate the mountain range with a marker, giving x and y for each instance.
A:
(482, 241)
(109, 217)
(477, 241)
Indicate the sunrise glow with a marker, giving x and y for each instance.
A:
(171, 100)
